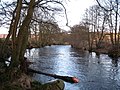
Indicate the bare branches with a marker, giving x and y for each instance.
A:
(42, 3)
(104, 7)
(48, 7)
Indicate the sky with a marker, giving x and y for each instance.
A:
(75, 10)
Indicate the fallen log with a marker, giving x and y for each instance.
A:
(65, 78)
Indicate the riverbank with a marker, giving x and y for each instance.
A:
(25, 82)
(110, 51)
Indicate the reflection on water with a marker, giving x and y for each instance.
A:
(95, 72)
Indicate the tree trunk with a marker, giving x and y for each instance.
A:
(101, 35)
(21, 40)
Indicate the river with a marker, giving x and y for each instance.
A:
(94, 73)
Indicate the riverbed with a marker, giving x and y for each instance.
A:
(94, 72)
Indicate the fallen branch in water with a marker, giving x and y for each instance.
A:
(65, 78)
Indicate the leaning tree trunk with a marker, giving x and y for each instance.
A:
(21, 41)
(12, 29)
(5, 50)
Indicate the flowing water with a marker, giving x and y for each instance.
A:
(94, 72)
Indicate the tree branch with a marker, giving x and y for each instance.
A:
(104, 7)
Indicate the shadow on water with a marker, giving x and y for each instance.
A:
(95, 72)
(115, 62)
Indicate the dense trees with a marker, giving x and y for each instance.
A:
(112, 9)
(43, 34)
(96, 20)
(78, 36)
(101, 26)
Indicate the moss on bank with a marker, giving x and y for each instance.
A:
(36, 85)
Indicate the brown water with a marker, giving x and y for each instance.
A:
(94, 73)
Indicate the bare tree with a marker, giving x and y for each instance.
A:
(22, 16)
(113, 9)
(79, 36)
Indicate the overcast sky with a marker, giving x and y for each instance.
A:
(75, 10)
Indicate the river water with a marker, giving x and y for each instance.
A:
(94, 73)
